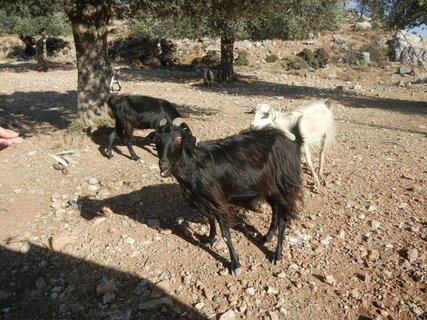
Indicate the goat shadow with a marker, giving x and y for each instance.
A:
(101, 134)
(29, 281)
(165, 203)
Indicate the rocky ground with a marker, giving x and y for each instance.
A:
(111, 239)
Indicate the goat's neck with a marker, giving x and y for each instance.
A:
(182, 169)
(286, 120)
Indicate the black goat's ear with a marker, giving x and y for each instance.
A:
(189, 142)
(185, 127)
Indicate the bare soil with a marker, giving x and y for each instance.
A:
(131, 243)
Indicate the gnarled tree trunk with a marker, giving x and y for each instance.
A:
(227, 57)
(89, 21)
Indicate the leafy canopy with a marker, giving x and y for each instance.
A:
(30, 18)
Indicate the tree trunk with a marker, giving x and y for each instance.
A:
(227, 57)
(89, 21)
(41, 55)
(30, 43)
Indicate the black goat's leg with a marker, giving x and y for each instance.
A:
(150, 138)
(235, 264)
(273, 226)
(128, 143)
(111, 139)
(212, 232)
(279, 248)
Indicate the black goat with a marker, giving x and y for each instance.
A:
(239, 170)
(141, 112)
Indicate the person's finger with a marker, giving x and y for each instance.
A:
(17, 140)
(4, 143)
(8, 134)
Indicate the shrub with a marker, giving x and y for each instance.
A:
(317, 59)
(277, 67)
(295, 62)
(242, 58)
(212, 57)
(321, 57)
(351, 58)
(271, 58)
(138, 28)
(308, 56)
(378, 52)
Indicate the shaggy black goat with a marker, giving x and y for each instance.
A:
(141, 112)
(239, 170)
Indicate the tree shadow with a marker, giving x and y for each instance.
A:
(251, 86)
(37, 112)
(22, 67)
(44, 284)
(165, 203)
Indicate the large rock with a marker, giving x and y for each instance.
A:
(408, 48)
(363, 26)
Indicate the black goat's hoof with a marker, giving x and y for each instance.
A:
(209, 242)
(266, 240)
(236, 271)
(109, 154)
(266, 243)
(277, 262)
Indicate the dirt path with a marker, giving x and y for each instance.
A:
(357, 252)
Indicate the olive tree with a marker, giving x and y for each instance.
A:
(89, 21)
(31, 19)
(396, 14)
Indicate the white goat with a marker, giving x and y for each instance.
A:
(316, 124)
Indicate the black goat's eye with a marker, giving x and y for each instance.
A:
(265, 116)
(178, 139)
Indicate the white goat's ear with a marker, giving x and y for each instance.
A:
(272, 112)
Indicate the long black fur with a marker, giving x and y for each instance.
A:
(238, 170)
(142, 112)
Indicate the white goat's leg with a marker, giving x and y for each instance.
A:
(322, 159)
(307, 155)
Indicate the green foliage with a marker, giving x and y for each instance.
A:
(271, 58)
(308, 56)
(321, 57)
(317, 59)
(399, 14)
(295, 62)
(242, 58)
(76, 127)
(350, 58)
(24, 23)
(15, 51)
(256, 19)
(138, 28)
(294, 20)
(211, 58)
(378, 52)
